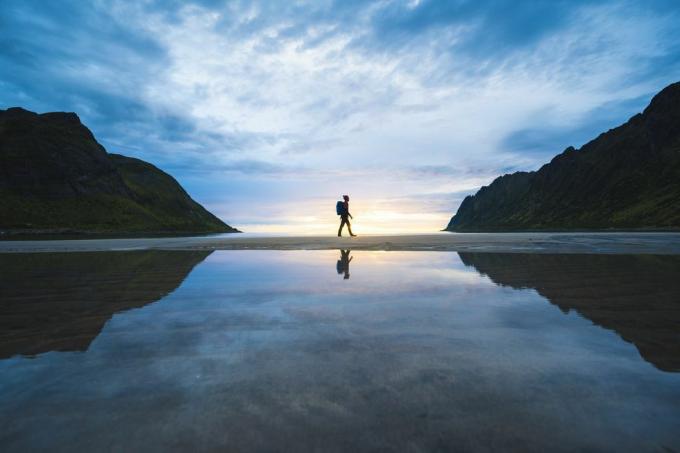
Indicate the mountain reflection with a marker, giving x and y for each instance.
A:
(638, 297)
(60, 302)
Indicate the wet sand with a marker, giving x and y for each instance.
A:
(608, 243)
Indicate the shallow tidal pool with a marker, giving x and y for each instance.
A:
(339, 351)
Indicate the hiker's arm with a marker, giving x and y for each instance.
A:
(350, 215)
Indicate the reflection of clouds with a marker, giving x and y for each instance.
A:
(307, 269)
(402, 354)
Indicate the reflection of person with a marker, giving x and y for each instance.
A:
(344, 214)
(343, 263)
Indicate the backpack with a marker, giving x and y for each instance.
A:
(340, 208)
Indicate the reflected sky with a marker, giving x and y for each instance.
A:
(267, 350)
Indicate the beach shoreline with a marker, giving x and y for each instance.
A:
(600, 243)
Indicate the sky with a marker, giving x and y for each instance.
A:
(268, 111)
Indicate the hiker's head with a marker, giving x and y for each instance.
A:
(346, 197)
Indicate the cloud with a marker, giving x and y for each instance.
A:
(295, 100)
(553, 139)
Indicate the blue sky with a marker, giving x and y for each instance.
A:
(267, 112)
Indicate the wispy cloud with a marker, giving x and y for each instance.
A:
(296, 100)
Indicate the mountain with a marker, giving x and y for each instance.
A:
(55, 177)
(635, 296)
(61, 301)
(627, 178)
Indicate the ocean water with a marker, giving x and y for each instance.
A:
(339, 351)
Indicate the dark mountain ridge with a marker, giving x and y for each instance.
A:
(56, 177)
(626, 178)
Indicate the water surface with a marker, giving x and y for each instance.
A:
(325, 350)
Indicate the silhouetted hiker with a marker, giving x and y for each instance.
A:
(343, 263)
(342, 209)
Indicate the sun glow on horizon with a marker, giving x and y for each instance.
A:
(374, 217)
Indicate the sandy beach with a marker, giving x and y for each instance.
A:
(614, 243)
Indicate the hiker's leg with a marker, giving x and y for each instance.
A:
(342, 224)
(349, 228)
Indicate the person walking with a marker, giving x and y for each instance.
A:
(343, 212)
